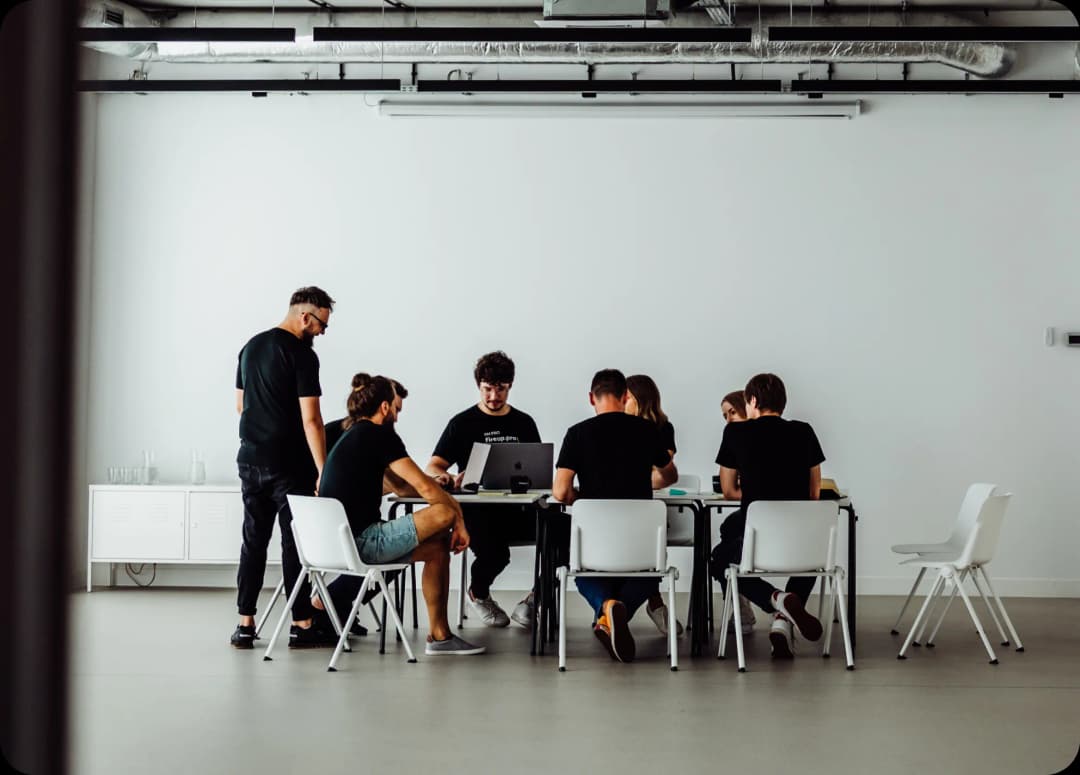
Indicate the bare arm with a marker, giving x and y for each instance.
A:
(314, 431)
(660, 475)
(439, 468)
(393, 483)
(815, 483)
(239, 401)
(563, 487)
(422, 485)
(729, 484)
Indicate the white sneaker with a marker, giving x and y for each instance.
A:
(523, 612)
(659, 615)
(488, 611)
(782, 639)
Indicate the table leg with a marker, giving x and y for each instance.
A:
(537, 583)
(707, 558)
(852, 519)
(700, 632)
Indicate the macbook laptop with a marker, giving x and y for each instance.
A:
(536, 461)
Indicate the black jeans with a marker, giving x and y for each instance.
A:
(757, 591)
(491, 531)
(264, 490)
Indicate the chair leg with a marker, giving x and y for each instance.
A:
(733, 581)
(279, 591)
(393, 613)
(828, 582)
(978, 624)
(464, 591)
(343, 633)
(562, 620)
(989, 607)
(841, 605)
(948, 604)
(1001, 607)
(903, 609)
(725, 616)
(673, 643)
(920, 638)
(415, 619)
(319, 580)
(383, 629)
(285, 614)
(938, 582)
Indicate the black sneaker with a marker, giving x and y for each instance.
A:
(321, 619)
(311, 638)
(243, 637)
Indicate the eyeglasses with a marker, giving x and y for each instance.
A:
(322, 322)
(502, 387)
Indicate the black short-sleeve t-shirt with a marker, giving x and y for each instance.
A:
(667, 434)
(276, 369)
(334, 431)
(354, 471)
(613, 455)
(773, 457)
(474, 425)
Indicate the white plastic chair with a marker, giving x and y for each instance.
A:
(680, 519)
(789, 538)
(969, 562)
(279, 591)
(618, 538)
(974, 499)
(325, 544)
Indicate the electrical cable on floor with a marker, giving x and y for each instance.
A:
(131, 574)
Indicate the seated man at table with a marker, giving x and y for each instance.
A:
(769, 458)
(335, 429)
(613, 456)
(493, 528)
(355, 473)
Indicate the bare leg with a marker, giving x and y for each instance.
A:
(435, 554)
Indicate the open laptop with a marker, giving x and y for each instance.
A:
(474, 469)
(536, 461)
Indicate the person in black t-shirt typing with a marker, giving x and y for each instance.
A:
(491, 421)
(613, 455)
(768, 458)
(282, 450)
(335, 429)
(370, 460)
(643, 400)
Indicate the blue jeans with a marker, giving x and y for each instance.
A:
(631, 590)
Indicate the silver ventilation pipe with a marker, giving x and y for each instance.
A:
(987, 60)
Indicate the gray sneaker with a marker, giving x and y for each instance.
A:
(488, 611)
(452, 646)
(523, 612)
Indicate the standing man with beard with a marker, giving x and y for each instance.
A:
(282, 452)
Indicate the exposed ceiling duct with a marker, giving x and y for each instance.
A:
(987, 60)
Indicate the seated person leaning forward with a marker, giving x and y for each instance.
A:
(768, 458)
(613, 456)
(354, 474)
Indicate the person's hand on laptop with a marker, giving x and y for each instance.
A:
(459, 479)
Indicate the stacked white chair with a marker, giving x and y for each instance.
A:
(954, 568)
(789, 538)
(618, 538)
(325, 544)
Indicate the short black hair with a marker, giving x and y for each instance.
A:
(608, 382)
(495, 369)
(310, 294)
(769, 391)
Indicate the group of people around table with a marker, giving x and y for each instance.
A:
(625, 451)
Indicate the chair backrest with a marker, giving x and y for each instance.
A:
(970, 507)
(790, 536)
(618, 535)
(318, 525)
(982, 543)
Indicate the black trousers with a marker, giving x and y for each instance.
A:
(757, 591)
(264, 490)
(491, 530)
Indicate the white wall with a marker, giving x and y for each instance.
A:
(897, 271)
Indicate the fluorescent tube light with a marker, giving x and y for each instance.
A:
(501, 109)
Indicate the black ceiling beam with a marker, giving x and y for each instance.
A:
(243, 85)
(187, 34)
(856, 34)
(596, 86)
(535, 34)
(941, 86)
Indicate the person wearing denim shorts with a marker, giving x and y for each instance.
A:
(369, 460)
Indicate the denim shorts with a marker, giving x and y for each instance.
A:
(391, 541)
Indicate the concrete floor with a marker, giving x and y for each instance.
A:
(156, 689)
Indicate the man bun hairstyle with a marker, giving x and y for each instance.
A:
(368, 394)
(769, 391)
(737, 400)
(314, 296)
(608, 382)
(495, 369)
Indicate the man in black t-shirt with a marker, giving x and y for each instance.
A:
(493, 528)
(282, 451)
(613, 456)
(768, 458)
(336, 428)
(369, 460)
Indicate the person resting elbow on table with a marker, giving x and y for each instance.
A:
(613, 456)
(368, 458)
(768, 458)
